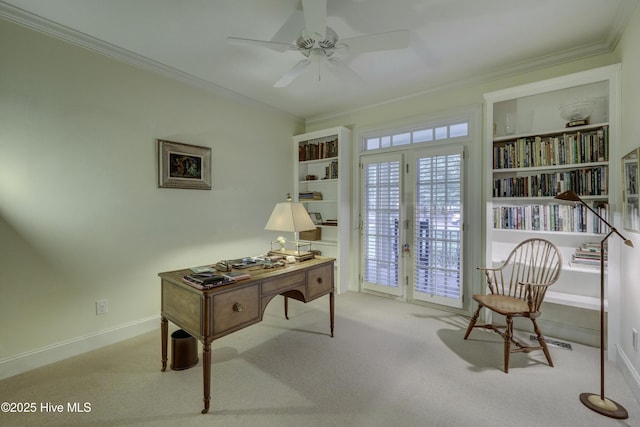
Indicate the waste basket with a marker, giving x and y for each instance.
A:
(184, 350)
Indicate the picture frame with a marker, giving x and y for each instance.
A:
(316, 217)
(630, 187)
(183, 165)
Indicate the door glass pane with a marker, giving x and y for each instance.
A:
(438, 232)
(381, 218)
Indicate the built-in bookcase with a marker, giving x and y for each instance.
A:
(531, 156)
(528, 170)
(322, 184)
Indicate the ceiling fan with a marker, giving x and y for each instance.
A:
(320, 44)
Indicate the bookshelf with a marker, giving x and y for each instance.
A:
(531, 155)
(322, 184)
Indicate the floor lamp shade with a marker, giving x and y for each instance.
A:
(290, 216)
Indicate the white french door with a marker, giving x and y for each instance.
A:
(436, 177)
(381, 234)
(411, 233)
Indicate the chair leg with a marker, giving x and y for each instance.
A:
(472, 322)
(508, 333)
(542, 342)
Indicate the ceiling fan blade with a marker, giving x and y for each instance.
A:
(315, 17)
(279, 47)
(376, 42)
(293, 73)
(292, 27)
(342, 71)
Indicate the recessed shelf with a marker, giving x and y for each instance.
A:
(319, 181)
(551, 132)
(573, 300)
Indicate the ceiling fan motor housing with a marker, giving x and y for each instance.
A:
(308, 41)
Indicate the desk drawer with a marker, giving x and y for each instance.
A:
(270, 286)
(236, 308)
(319, 281)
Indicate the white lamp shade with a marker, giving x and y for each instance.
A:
(289, 216)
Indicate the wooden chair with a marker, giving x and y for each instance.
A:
(517, 289)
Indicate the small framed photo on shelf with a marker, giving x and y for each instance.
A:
(316, 217)
(183, 165)
(630, 187)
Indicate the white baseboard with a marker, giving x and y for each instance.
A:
(27, 361)
(628, 371)
(571, 333)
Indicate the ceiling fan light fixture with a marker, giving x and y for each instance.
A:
(319, 43)
(305, 43)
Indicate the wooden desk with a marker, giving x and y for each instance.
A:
(213, 313)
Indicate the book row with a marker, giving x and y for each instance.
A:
(317, 150)
(575, 219)
(585, 182)
(309, 195)
(568, 148)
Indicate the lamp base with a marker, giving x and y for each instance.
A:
(604, 406)
(298, 255)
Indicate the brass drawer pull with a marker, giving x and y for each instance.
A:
(320, 280)
(238, 307)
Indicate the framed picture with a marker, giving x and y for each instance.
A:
(630, 193)
(183, 165)
(316, 217)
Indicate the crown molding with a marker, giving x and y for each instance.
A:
(77, 38)
(535, 64)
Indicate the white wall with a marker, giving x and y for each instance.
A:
(81, 216)
(629, 54)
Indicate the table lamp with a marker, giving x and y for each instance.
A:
(598, 402)
(291, 217)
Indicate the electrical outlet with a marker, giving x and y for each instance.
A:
(634, 339)
(102, 307)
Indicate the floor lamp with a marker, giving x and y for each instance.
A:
(598, 402)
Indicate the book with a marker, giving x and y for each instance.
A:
(237, 275)
(203, 269)
(588, 255)
(206, 280)
(310, 195)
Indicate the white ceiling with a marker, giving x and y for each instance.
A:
(451, 42)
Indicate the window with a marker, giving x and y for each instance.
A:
(418, 136)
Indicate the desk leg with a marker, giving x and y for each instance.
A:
(164, 330)
(331, 310)
(286, 308)
(206, 375)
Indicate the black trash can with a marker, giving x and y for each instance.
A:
(184, 350)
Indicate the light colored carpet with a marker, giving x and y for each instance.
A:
(390, 364)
